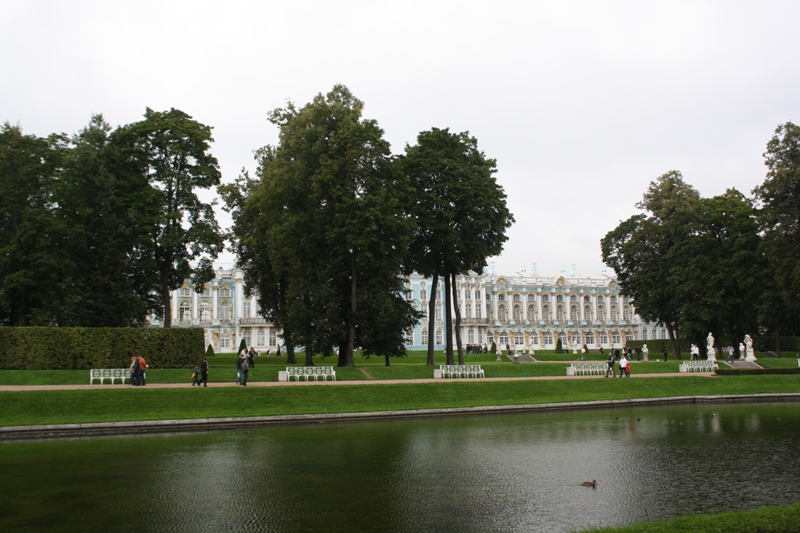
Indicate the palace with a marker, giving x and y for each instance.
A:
(522, 309)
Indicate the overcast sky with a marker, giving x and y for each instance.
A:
(582, 104)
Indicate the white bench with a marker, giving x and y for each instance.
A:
(698, 366)
(587, 369)
(459, 371)
(109, 373)
(307, 372)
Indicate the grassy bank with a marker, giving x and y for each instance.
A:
(223, 369)
(129, 403)
(783, 519)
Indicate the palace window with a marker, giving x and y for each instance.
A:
(260, 337)
(489, 338)
(468, 310)
(560, 313)
(519, 339)
(587, 312)
(601, 313)
(532, 314)
(470, 336)
(501, 297)
(613, 299)
(563, 338)
(478, 310)
(603, 337)
(644, 334)
(246, 336)
(439, 312)
(517, 314)
(576, 338)
(206, 293)
(424, 337)
(573, 299)
(560, 298)
(545, 297)
(186, 312)
(225, 311)
(546, 316)
(517, 298)
(503, 339)
(224, 293)
(477, 295)
(489, 311)
(273, 338)
(225, 340)
(246, 309)
(423, 295)
(548, 339)
(613, 313)
(535, 339)
(502, 314)
(589, 338)
(628, 336)
(587, 299)
(185, 292)
(601, 299)
(409, 337)
(626, 312)
(205, 311)
(531, 297)
(615, 338)
(439, 337)
(480, 337)
(573, 313)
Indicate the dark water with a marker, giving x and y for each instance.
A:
(501, 473)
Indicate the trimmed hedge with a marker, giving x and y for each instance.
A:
(770, 343)
(752, 371)
(43, 348)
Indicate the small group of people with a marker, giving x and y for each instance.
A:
(243, 364)
(200, 375)
(138, 366)
(476, 348)
(624, 363)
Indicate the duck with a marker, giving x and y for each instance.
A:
(592, 483)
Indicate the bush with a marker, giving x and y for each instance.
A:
(494, 348)
(558, 346)
(44, 348)
(242, 346)
(752, 371)
(210, 351)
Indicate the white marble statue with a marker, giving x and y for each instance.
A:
(750, 354)
(645, 353)
(712, 356)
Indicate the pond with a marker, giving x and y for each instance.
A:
(516, 472)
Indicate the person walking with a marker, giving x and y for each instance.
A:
(204, 373)
(731, 353)
(239, 368)
(610, 363)
(142, 368)
(666, 353)
(196, 376)
(245, 371)
(623, 366)
(250, 358)
(134, 370)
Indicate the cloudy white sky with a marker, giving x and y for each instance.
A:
(581, 103)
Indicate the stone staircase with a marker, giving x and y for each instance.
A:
(522, 358)
(739, 364)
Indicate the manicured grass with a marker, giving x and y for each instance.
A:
(775, 362)
(223, 369)
(129, 403)
(783, 519)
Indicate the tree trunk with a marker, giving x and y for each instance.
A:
(351, 330)
(165, 299)
(387, 359)
(448, 320)
(432, 318)
(676, 351)
(457, 310)
(289, 343)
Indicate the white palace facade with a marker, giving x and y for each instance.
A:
(523, 309)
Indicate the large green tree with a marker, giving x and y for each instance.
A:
(106, 206)
(30, 235)
(460, 211)
(185, 238)
(332, 231)
(639, 249)
(779, 215)
(717, 272)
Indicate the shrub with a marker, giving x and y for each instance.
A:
(210, 351)
(45, 348)
(558, 346)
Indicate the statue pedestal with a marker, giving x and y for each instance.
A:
(711, 355)
(751, 357)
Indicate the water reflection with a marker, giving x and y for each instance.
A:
(476, 474)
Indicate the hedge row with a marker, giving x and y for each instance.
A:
(752, 371)
(42, 348)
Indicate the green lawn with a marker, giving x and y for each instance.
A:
(783, 519)
(142, 403)
(223, 368)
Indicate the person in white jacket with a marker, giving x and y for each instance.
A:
(623, 367)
